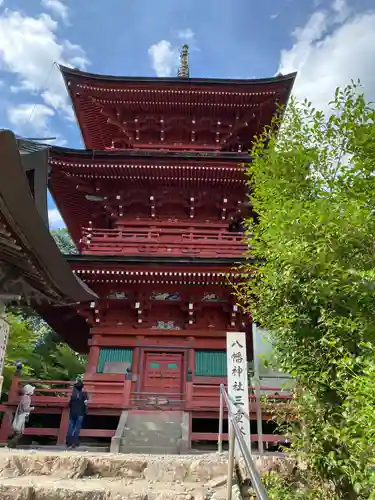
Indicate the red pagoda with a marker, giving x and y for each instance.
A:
(154, 205)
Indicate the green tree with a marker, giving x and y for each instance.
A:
(43, 354)
(64, 241)
(20, 348)
(313, 286)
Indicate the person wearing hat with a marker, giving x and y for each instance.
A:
(22, 415)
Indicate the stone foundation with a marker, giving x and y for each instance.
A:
(93, 476)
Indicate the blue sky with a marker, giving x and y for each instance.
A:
(327, 41)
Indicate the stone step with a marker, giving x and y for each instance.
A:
(26, 475)
(81, 465)
(138, 450)
(150, 444)
(151, 450)
(166, 429)
(146, 432)
(83, 448)
(47, 488)
(153, 426)
(160, 440)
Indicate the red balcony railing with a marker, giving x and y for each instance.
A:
(198, 243)
(57, 392)
(119, 394)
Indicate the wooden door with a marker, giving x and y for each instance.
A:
(163, 373)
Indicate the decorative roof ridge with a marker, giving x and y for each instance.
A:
(183, 69)
(66, 72)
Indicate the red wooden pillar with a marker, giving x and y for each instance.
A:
(6, 426)
(191, 371)
(63, 429)
(191, 356)
(135, 360)
(92, 361)
(189, 395)
(127, 391)
(14, 390)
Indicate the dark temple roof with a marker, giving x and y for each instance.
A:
(31, 264)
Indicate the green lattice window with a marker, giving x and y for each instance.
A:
(114, 355)
(211, 363)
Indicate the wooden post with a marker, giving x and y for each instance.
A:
(6, 426)
(93, 358)
(135, 360)
(64, 423)
(14, 390)
(189, 394)
(127, 391)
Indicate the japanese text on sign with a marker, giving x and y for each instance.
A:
(237, 381)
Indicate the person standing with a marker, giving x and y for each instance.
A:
(21, 416)
(77, 411)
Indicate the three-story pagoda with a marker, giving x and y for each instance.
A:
(153, 205)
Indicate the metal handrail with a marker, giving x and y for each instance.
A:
(235, 433)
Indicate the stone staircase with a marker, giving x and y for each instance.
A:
(42, 475)
(153, 432)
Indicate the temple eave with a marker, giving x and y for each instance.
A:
(71, 72)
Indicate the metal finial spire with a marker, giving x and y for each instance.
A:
(183, 69)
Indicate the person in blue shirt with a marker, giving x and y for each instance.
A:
(77, 410)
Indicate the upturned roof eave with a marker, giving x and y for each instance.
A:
(66, 72)
(157, 155)
(22, 216)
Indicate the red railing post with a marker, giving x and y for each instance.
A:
(189, 394)
(63, 429)
(205, 240)
(126, 394)
(6, 426)
(14, 390)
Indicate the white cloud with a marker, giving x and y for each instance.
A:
(328, 54)
(29, 46)
(33, 119)
(187, 34)
(164, 58)
(30, 117)
(54, 218)
(341, 9)
(57, 8)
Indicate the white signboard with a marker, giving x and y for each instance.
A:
(238, 390)
(4, 332)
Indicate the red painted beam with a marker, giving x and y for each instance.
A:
(43, 431)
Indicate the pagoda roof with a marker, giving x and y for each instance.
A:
(78, 175)
(32, 267)
(146, 270)
(73, 72)
(173, 113)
